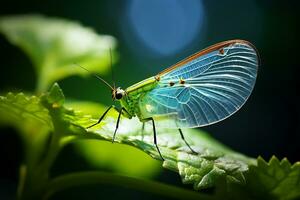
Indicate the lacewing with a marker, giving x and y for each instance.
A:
(200, 90)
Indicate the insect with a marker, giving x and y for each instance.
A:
(200, 90)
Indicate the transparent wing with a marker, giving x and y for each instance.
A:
(204, 88)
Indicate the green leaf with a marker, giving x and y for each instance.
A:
(118, 158)
(54, 45)
(122, 159)
(213, 162)
(274, 179)
(31, 119)
(234, 175)
(31, 116)
(20, 109)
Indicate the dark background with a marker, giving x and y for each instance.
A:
(155, 34)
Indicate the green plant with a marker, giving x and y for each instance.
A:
(47, 122)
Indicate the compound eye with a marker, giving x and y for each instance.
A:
(119, 96)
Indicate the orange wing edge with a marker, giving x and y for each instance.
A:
(214, 47)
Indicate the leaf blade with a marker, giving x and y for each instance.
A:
(243, 176)
(54, 45)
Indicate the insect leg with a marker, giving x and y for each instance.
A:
(182, 137)
(126, 114)
(143, 129)
(129, 115)
(117, 125)
(155, 142)
(100, 119)
(154, 134)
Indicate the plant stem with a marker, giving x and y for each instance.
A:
(35, 176)
(22, 179)
(96, 177)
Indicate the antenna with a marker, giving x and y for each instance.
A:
(96, 76)
(111, 67)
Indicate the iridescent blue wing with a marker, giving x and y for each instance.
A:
(205, 88)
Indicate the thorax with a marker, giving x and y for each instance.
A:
(134, 93)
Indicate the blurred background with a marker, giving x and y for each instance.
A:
(153, 35)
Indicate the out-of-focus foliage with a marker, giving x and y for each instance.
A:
(55, 45)
(124, 159)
